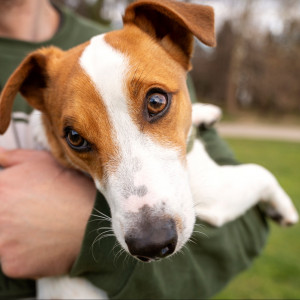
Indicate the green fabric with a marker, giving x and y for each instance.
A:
(199, 272)
(15, 289)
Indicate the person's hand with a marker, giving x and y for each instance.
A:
(44, 209)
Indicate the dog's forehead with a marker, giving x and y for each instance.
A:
(129, 53)
(120, 61)
(106, 68)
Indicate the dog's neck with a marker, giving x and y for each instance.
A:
(28, 20)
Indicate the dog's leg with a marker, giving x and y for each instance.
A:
(223, 193)
(64, 287)
(205, 115)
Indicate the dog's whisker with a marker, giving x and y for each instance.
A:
(127, 258)
(101, 217)
(185, 248)
(115, 245)
(100, 220)
(101, 214)
(102, 235)
(201, 225)
(98, 240)
(109, 228)
(201, 233)
(99, 229)
(192, 241)
(93, 254)
(119, 253)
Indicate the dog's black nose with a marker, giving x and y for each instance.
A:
(152, 241)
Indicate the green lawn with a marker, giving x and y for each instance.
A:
(276, 273)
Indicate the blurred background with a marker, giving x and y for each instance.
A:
(254, 75)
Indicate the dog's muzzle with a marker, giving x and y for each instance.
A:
(152, 239)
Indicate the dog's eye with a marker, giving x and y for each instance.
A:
(76, 141)
(157, 103)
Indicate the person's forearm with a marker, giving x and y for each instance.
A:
(43, 214)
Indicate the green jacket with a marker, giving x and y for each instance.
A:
(200, 271)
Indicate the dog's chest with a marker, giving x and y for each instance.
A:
(26, 132)
(64, 287)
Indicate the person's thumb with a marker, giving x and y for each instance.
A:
(9, 158)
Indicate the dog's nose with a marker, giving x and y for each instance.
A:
(153, 241)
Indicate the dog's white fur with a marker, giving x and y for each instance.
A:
(64, 287)
(224, 192)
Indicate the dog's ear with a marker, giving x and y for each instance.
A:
(173, 24)
(31, 79)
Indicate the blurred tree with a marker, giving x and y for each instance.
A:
(237, 57)
(253, 66)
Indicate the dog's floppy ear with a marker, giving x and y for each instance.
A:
(31, 79)
(174, 24)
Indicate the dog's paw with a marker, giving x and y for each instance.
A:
(281, 209)
(283, 218)
(205, 115)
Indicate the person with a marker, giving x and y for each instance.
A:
(47, 222)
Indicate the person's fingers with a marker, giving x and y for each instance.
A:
(9, 158)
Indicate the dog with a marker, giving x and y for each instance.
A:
(117, 108)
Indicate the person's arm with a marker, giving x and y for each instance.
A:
(44, 209)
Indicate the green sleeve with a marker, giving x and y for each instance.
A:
(200, 271)
(16, 289)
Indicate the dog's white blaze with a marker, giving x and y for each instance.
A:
(148, 174)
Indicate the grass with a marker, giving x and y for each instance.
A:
(276, 273)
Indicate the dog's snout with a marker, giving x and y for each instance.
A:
(153, 241)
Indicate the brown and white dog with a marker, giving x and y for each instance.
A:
(118, 108)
